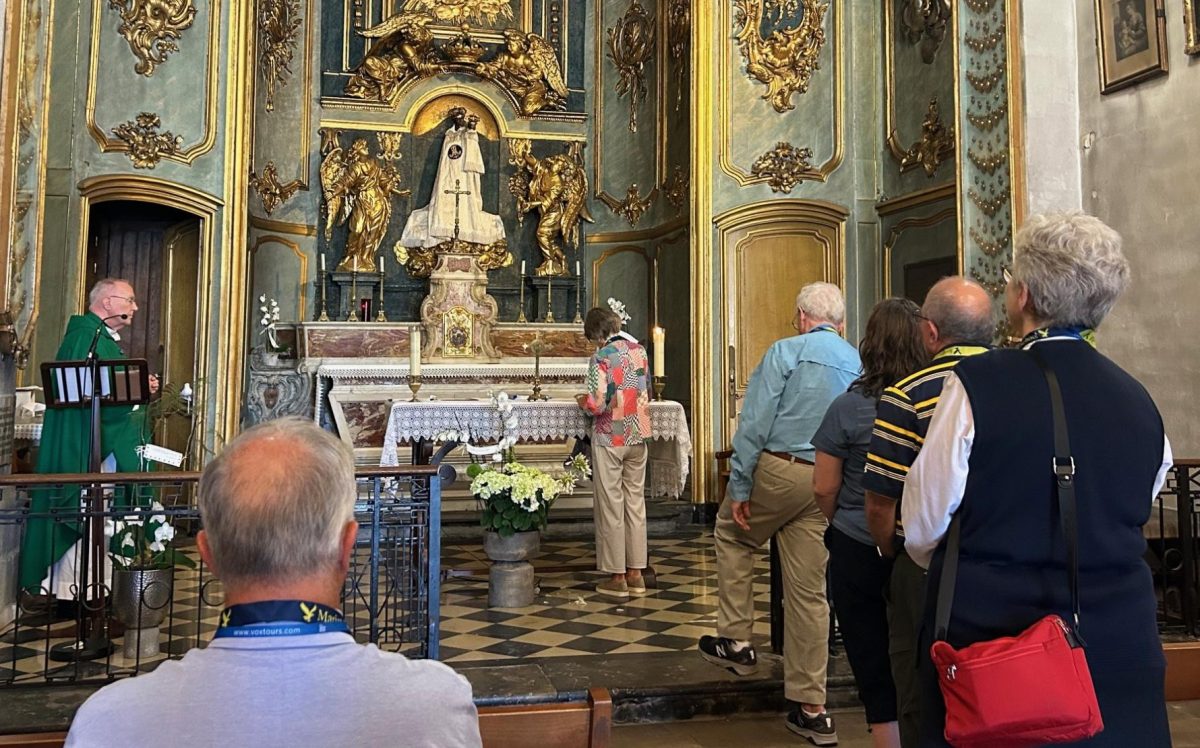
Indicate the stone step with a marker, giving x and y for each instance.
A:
(663, 519)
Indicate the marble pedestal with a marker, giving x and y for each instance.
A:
(458, 315)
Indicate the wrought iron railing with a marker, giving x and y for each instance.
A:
(1173, 552)
(390, 597)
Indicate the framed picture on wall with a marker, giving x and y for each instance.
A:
(1191, 26)
(1132, 42)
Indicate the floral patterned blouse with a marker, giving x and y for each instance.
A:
(618, 394)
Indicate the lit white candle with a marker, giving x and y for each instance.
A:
(322, 262)
(414, 351)
(577, 272)
(659, 336)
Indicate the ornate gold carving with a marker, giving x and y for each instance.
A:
(633, 206)
(278, 24)
(990, 204)
(784, 166)
(985, 81)
(787, 58)
(463, 48)
(987, 38)
(988, 163)
(987, 121)
(991, 248)
(677, 189)
(358, 188)
(630, 44)
(528, 69)
(462, 11)
(981, 6)
(925, 23)
(935, 145)
(271, 191)
(419, 261)
(389, 145)
(557, 187)
(679, 29)
(144, 144)
(404, 52)
(151, 28)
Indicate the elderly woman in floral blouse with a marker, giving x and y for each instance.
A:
(617, 395)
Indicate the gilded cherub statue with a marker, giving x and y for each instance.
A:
(557, 187)
(528, 67)
(405, 51)
(358, 188)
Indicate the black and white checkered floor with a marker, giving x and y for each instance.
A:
(568, 616)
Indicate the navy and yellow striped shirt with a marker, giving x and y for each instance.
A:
(902, 420)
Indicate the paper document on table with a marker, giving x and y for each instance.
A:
(161, 454)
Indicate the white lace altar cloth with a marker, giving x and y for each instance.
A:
(670, 445)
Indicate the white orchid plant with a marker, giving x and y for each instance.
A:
(618, 308)
(142, 540)
(513, 497)
(269, 308)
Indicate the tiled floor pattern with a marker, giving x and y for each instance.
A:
(568, 616)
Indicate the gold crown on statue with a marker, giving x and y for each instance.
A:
(463, 48)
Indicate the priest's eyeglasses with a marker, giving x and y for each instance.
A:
(130, 299)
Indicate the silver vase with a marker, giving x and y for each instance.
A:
(142, 597)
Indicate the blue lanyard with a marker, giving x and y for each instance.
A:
(824, 327)
(280, 618)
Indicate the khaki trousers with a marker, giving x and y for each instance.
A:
(781, 505)
(619, 477)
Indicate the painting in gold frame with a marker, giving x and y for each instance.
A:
(1191, 26)
(1131, 42)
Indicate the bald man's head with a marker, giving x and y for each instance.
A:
(961, 311)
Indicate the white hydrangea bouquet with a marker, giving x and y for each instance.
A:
(513, 497)
(143, 540)
(269, 308)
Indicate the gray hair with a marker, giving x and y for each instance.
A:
(822, 301)
(274, 503)
(1073, 267)
(104, 287)
(962, 311)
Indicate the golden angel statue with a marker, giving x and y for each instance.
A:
(529, 69)
(358, 188)
(405, 50)
(557, 187)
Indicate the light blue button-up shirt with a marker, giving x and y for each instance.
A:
(786, 398)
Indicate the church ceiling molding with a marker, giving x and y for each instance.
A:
(144, 143)
(633, 206)
(935, 146)
(279, 23)
(186, 153)
(726, 107)
(152, 29)
(780, 55)
(925, 23)
(631, 42)
(271, 190)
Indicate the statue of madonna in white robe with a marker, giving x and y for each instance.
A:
(461, 164)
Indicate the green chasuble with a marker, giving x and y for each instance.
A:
(64, 449)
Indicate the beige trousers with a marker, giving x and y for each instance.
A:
(619, 477)
(781, 505)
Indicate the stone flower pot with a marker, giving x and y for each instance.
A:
(511, 580)
(141, 600)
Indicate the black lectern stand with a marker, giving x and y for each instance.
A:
(68, 384)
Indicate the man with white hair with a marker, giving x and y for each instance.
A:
(770, 494)
(278, 512)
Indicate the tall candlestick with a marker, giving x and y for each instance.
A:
(414, 352)
(549, 298)
(353, 293)
(578, 295)
(381, 317)
(659, 336)
(521, 315)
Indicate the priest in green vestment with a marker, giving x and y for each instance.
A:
(65, 442)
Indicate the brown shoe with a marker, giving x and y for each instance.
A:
(636, 586)
(613, 589)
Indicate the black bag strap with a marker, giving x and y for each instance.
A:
(1063, 466)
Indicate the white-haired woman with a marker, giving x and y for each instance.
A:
(987, 459)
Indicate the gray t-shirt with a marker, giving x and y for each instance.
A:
(846, 432)
(316, 690)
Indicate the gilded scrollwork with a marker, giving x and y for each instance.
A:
(389, 145)
(405, 51)
(633, 206)
(151, 27)
(144, 144)
(934, 147)
(676, 189)
(271, 191)
(925, 23)
(528, 69)
(556, 186)
(463, 11)
(786, 58)
(679, 29)
(278, 29)
(784, 166)
(420, 261)
(630, 45)
(358, 190)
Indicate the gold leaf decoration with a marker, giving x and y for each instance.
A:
(404, 52)
(271, 191)
(463, 11)
(633, 206)
(785, 59)
(677, 189)
(784, 166)
(925, 23)
(679, 24)
(935, 145)
(278, 26)
(630, 45)
(152, 27)
(144, 144)
(556, 187)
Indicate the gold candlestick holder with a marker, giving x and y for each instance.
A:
(521, 317)
(324, 316)
(659, 383)
(537, 347)
(549, 300)
(578, 299)
(353, 317)
(414, 384)
(381, 317)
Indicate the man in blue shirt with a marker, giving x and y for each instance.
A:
(770, 494)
